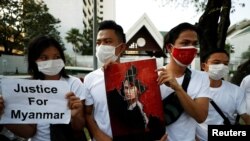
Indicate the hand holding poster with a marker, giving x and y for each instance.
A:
(134, 101)
(35, 101)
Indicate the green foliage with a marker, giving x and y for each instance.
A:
(22, 20)
(246, 54)
(229, 48)
(69, 60)
(37, 20)
(10, 25)
(82, 42)
(88, 42)
(242, 70)
(75, 38)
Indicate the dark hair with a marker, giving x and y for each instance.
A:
(207, 55)
(242, 71)
(36, 46)
(109, 24)
(174, 33)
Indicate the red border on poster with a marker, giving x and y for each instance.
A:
(147, 75)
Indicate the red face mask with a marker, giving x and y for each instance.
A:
(184, 56)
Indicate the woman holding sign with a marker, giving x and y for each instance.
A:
(46, 62)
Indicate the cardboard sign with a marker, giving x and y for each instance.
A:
(35, 101)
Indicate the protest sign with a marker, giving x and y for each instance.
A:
(35, 101)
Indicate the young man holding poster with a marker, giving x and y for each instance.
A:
(180, 43)
(46, 62)
(111, 43)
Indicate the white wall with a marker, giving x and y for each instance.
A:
(241, 44)
(9, 64)
(109, 10)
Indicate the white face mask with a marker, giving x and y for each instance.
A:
(105, 53)
(217, 71)
(50, 67)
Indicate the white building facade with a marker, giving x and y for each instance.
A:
(238, 36)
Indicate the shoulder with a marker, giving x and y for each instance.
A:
(232, 86)
(199, 74)
(73, 79)
(93, 75)
(246, 79)
(94, 78)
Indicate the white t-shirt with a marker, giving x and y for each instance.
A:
(230, 99)
(95, 91)
(245, 85)
(43, 130)
(184, 128)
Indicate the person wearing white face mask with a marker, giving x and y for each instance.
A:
(217, 71)
(228, 97)
(46, 62)
(106, 53)
(111, 43)
(50, 67)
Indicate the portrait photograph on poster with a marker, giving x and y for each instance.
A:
(134, 101)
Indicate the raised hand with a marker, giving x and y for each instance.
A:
(167, 77)
(74, 104)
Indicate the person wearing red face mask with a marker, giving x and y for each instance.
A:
(180, 43)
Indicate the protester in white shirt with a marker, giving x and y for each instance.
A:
(245, 85)
(110, 44)
(46, 62)
(180, 43)
(229, 97)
